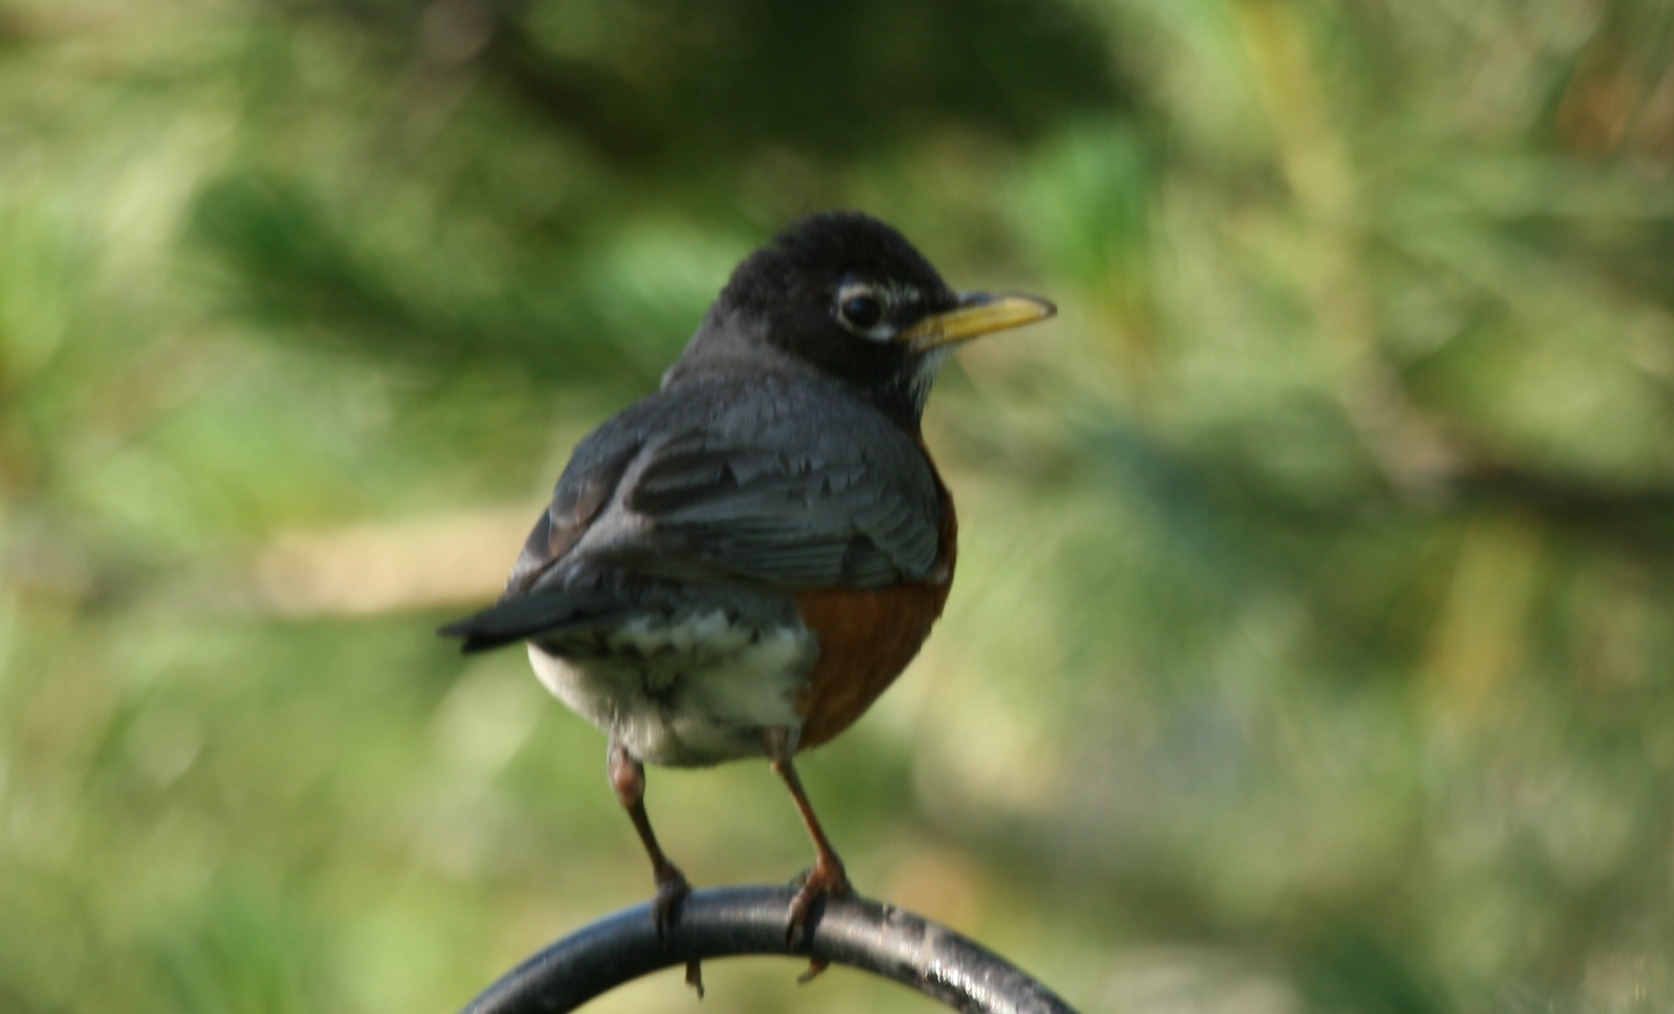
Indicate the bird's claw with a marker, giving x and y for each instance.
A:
(672, 890)
(826, 879)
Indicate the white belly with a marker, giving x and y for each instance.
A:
(691, 693)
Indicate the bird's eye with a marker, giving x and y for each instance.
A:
(860, 310)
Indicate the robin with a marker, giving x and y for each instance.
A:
(739, 564)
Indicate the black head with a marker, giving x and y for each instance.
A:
(848, 295)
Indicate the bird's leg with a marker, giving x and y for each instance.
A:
(827, 876)
(627, 777)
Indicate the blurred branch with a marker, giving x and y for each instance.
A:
(1211, 497)
(367, 569)
(725, 922)
(1642, 516)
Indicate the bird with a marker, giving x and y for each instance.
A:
(739, 564)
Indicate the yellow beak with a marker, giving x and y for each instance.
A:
(978, 313)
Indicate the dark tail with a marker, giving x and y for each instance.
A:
(522, 618)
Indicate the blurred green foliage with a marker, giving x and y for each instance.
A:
(1313, 648)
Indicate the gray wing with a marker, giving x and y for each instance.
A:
(821, 504)
(782, 486)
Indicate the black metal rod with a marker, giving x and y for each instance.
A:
(729, 921)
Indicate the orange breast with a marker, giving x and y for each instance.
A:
(867, 638)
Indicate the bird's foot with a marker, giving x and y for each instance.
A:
(825, 880)
(672, 890)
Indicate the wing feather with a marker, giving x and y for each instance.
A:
(793, 486)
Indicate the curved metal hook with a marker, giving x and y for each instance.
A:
(723, 922)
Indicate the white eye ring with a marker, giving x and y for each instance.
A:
(864, 311)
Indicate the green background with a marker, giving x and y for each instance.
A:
(1312, 645)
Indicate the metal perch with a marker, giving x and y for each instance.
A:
(723, 922)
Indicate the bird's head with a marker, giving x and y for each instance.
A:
(848, 295)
